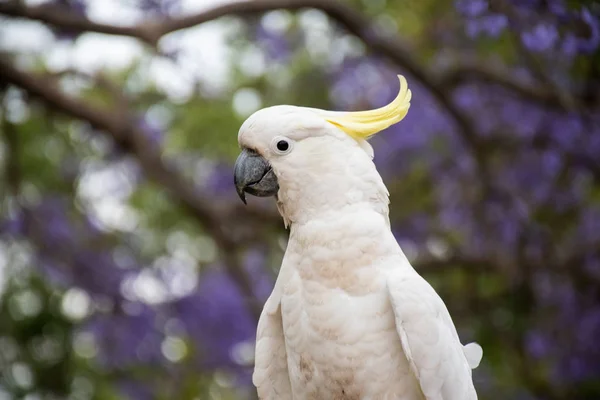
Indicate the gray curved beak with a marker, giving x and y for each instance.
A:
(253, 174)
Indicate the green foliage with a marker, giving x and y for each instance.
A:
(35, 338)
(205, 125)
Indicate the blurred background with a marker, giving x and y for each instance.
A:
(129, 268)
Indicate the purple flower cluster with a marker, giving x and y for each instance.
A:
(543, 26)
(77, 7)
(275, 46)
(71, 252)
(159, 7)
(213, 321)
(533, 212)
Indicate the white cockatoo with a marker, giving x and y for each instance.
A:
(349, 317)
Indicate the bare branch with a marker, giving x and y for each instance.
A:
(100, 80)
(467, 71)
(151, 32)
(63, 17)
(354, 22)
(388, 46)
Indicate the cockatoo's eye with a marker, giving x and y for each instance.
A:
(281, 145)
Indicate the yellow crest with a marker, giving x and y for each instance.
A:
(362, 124)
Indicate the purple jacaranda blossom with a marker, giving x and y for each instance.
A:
(589, 330)
(587, 233)
(96, 272)
(275, 45)
(558, 8)
(572, 368)
(126, 339)
(537, 344)
(582, 361)
(359, 83)
(527, 4)
(218, 182)
(159, 7)
(479, 20)
(505, 222)
(471, 8)
(69, 250)
(151, 131)
(539, 22)
(566, 130)
(569, 45)
(554, 291)
(541, 38)
(572, 353)
(565, 298)
(77, 7)
(53, 211)
(13, 225)
(74, 6)
(413, 228)
(591, 41)
(137, 390)
(532, 175)
(491, 25)
(591, 265)
(216, 317)
(255, 264)
(577, 368)
(593, 137)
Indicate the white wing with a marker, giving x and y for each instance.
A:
(437, 358)
(271, 376)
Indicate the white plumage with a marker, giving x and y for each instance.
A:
(349, 318)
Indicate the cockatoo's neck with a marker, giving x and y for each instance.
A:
(339, 225)
(331, 185)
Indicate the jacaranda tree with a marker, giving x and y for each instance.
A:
(130, 269)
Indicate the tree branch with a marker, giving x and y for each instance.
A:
(64, 17)
(100, 80)
(117, 125)
(467, 71)
(151, 32)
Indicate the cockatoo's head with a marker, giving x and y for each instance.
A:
(296, 149)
